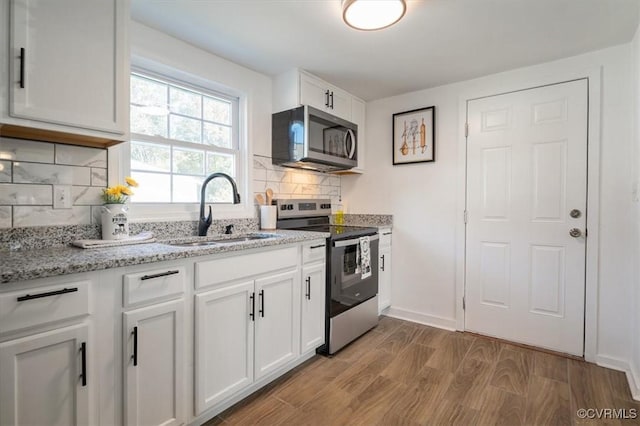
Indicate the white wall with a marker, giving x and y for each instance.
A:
(422, 197)
(635, 335)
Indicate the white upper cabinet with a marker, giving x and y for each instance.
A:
(67, 66)
(325, 97)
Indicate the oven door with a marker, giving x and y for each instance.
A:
(348, 288)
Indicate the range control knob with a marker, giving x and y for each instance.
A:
(289, 206)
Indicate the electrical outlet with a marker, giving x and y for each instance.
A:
(62, 197)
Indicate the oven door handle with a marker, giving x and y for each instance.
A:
(353, 241)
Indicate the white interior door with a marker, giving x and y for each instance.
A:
(526, 174)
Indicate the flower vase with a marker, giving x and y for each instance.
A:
(115, 223)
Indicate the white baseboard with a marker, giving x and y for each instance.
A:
(633, 378)
(420, 318)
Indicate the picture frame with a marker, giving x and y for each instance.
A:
(414, 136)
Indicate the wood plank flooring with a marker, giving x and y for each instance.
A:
(403, 373)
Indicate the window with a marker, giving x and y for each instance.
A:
(180, 135)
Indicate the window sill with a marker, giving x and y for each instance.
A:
(157, 212)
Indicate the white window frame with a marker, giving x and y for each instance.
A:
(120, 156)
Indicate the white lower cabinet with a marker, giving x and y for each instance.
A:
(313, 306)
(153, 345)
(384, 273)
(244, 331)
(223, 342)
(44, 378)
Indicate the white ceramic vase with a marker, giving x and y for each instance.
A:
(115, 223)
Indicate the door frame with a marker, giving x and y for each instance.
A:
(521, 83)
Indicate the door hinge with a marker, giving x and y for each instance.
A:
(586, 232)
(466, 130)
(466, 216)
(464, 304)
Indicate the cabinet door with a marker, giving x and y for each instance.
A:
(314, 92)
(313, 307)
(384, 291)
(43, 379)
(223, 343)
(340, 103)
(153, 362)
(277, 326)
(67, 63)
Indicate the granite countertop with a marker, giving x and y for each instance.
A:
(30, 264)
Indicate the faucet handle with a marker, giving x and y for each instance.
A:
(228, 229)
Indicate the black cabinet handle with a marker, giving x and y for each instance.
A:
(253, 306)
(318, 246)
(308, 295)
(22, 59)
(134, 357)
(83, 351)
(262, 303)
(326, 98)
(47, 294)
(161, 274)
(387, 233)
(382, 257)
(331, 96)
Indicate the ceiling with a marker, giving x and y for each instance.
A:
(437, 42)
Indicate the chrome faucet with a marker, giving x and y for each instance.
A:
(205, 222)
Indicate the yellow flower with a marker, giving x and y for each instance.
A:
(112, 191)
(126, 191)
(131, 182)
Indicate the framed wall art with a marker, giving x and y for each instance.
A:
(414, 136)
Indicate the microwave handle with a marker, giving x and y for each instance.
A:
(353, 143)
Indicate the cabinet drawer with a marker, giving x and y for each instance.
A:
(153, 285)
(41, 305)
(227, 269)
(385, 237)
(316, 250)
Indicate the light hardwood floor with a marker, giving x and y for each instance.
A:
(403, 373)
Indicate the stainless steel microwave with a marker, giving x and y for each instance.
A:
(307, 138)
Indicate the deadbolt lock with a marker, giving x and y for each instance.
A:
(575, 213)
(575, 232)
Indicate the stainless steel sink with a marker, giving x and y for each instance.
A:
(223, 240)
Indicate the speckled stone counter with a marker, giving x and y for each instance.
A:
(377, 220)
(29, 264)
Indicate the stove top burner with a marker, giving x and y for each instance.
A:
(341, 232)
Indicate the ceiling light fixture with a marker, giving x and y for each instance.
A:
(370, 15)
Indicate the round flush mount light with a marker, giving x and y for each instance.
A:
(370, 15)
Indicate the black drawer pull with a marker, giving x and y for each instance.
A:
(261, 303)
(382, 257)
(161, 274)
(22, 58)
(83, 350)
(134, 357)
(308, 295)
(47, 294)
(387, 233)
(318, 246)
(253, 307)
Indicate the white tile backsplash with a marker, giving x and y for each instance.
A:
(5, 171)
(5, 216)
(51, 174)
(81, 156)
(28, 171)
(46, 215)
(29, 195)
(23, 150)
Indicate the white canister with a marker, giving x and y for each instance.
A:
(115, 223)
(268, 216)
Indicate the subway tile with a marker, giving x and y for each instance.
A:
(310, 189)
(290, 188)
(275, 176)
(17, 194)
(50, 173)
(86, 195)
(80, 156)
(259, 186)
(5, 216)
(96, 215)
(47, 216)
(98, 177)
(5, 171)
(259, 173)
(261, 162)
(23, 150)
(330, 191)
(334, 181)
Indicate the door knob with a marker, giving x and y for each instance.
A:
(575, 213)
(575, 232)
